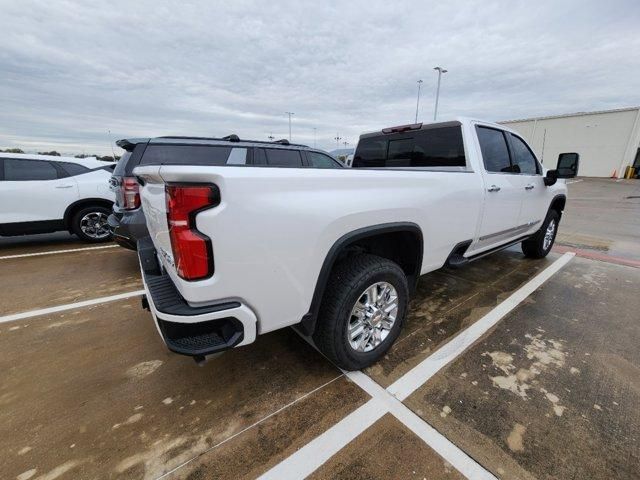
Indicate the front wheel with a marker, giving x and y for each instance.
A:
(362, 311)
(90, 224)
(540, 244)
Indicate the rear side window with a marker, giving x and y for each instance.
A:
(73, 169)
(23, 170)
(523, 159)
(121, 166)
(371, 152)
(432, 147)
(283, 158)
(238, 156)
(320, 160)
(185, 155)
(495, 153)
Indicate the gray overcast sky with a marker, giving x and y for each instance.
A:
(71, 71)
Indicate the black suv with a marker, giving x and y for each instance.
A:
(127, 221)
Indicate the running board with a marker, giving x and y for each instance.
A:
(457, 259)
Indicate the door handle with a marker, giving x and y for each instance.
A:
(64, 186)
(529, 187)
(493, 188)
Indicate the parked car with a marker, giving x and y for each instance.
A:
(127, 221)
(237, 252)
(43, 194)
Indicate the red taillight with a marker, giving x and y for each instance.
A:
(130, 193)
(192, 252)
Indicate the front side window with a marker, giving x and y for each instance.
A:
(523, 159)
(23, 170)
(283, 158)
(495, 153)
(320, 160)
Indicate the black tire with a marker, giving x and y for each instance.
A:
(346, 285)
(77, 227)
(534, 247)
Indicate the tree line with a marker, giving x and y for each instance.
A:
(104, 158)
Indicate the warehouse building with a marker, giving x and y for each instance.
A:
(607, 141)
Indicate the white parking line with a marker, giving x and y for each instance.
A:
(315, 453)
(574, 181)
(408, 383)
(312, 456)
(53, 252)
(69, 306)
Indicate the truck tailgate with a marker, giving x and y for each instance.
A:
(152, 196)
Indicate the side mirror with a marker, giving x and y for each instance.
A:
(567, 168)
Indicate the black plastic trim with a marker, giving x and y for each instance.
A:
(202, 338)
(308, 322)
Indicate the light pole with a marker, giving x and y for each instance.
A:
(418, 100)
(271, 137)
(440, 72)
(345, 143)
(337, 139)
(314, 137)
(289, 113)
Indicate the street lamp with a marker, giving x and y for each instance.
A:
(440, 72)
(337, 138)
(418, 100)
(314, 137)
(289, 113)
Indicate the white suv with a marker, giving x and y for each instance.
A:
(42, 194)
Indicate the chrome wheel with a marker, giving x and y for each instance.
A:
(94, 225)
(372, 317)
(548, 235)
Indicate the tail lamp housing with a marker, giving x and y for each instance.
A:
(130, 193)
(192, 250)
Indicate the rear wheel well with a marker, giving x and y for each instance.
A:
(401, 243)
(80, 204)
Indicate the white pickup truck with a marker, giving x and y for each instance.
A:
(267, 235)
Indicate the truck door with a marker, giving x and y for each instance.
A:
(534, 198)
(503, 191)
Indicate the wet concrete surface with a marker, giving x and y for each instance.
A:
(602, 215)
(448, 301)
(554, 390)
(93, 393)
(45, 281)
(387, 449)
(45, 242)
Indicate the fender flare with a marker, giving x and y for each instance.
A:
(308, 322)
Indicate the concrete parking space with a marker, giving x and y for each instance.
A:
(30, 283)
(94, 393)
(603, 216)
(47, 242)
(553, 392)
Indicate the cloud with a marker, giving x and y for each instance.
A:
(72, 71)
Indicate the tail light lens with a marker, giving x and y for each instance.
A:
(192, 252)
(130, 193)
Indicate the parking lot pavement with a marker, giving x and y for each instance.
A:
(30, 283)
(46, 242)
(554, 391)
(603, 216)
(449, 300)
(93, 393)
(388, 449)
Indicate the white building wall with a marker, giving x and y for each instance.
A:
(606, 141)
